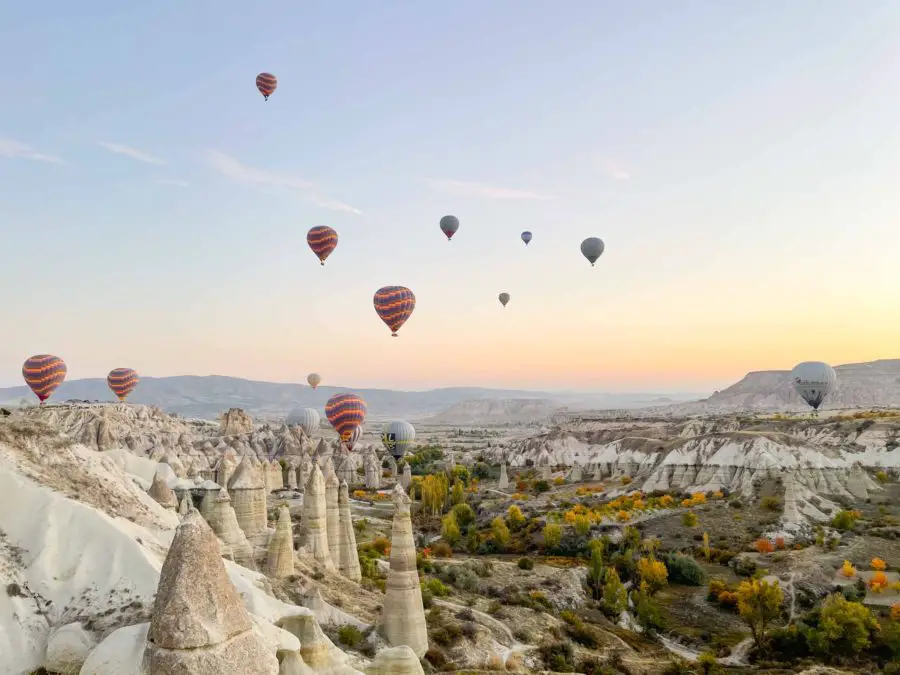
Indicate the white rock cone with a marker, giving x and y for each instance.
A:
(315, 523)
(276, 479)
(224, 523)
(248, 494)
(504, 479)
(406, 476)
(162, 493)
(332, 515)
(402, 620)
(396, 661)
(348, 557)
(280, 556)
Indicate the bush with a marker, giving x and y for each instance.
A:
(465, 516)
(542, 486)
(526, 564)
(558, 656)
(684, 570)
(436, 588)
(469, 630)
(349, 636)
(771, 503)
(689, 519)
(436, 658)
(442, 549)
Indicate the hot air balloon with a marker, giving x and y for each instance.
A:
(305, 418)
(355, 435)
(394, 304)
(813, 380)
(397, 436)
(503, 298)
(43, 373)
(313, 379)
(267, 84)
(449, 226)
(526, 237)
(592, 248)
(346, 413)
(322, 240)
(122, 381)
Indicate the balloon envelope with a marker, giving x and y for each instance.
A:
(449, 226)
(394, 304)
(397, 436)
(526, 237)
(43, 373)
(322, 240)
(122, 382)
(813, 380)
(313, 379)
(592, 248)
(503, 298)
(345, 413)
(305, 418)
(266, 83)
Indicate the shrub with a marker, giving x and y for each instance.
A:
(436, 588)
(848, 570)
(626, 480)
(465, 516)
(526, 564)
(558, 656)
(436, 658)
(442, 549)
(845, 520)
(878, 564)
(514, 517)
(771, 503)
(684, 570)
(349, 636)
(689, 519)
(552, 536)
(878, 582)
(541, 486)
(763, 546)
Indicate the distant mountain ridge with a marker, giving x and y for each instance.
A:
(207, 396)
(859, 385)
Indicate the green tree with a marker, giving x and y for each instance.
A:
(434, 493)
(845, 629)
(615, 596)
(552, 536)
(514, 517)
(500, 531)
(759, 604)
(458, 496)
(465, 516)
(689, 519)
(596, 572)
(450, 529)
(582, 525)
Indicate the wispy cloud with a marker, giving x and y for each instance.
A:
(172, 182)
(15, 150)
(469, 189)
(131, 152)
(263, 178)
(614, 170)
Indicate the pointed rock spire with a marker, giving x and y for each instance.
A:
(225, 524)
(332, 514)
(403, 619)
(348, 557)
(315, 525)
(162, 493)
(504, 479)
(199, 623)
(280, 559)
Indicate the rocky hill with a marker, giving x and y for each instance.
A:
(859, 385)
(206, 397)
(497, 411)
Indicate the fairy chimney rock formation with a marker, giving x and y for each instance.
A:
(332, 514)
(315, 527)
(223, 522)
(504, 479)
(199, 624)
(372, 471)
(348, 558)
(406, 478)
(396, 661)
(280, 557)
(248, 495)
(402, 621)
(162, 493)
(235, 422)
(276, 477)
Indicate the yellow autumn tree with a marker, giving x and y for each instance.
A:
(434, 490)
(514, 517)
(653, 574)
(759, 604)
(848, 570)
(879, 565)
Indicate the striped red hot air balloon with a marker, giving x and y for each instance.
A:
(346, 414)
(122, 381)
(394, 304)
(43, 373)
(267, 83)
(322, 240)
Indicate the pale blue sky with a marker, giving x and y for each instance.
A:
(740, 159)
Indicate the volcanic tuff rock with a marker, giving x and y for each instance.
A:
(280, 556)
(199, 623)
(315, 523)
(332, 514)
(348, 556)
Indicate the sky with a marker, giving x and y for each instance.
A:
(739, 159)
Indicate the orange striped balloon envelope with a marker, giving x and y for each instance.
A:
(267, 83)
(322, 240)
(346, 414)
(394, 304)
(43, 373)
(122, 381)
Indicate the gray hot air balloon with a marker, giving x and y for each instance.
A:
(449, 226)
(306, 418)
(526, 237)
(503, 298)
(592, 248)
(813, 380)
(397, 436)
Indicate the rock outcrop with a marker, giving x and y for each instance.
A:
(332, 514)
(396, 661)
(162, 493)
(403, 618)
(280, 556)
(315, 523)
(235, 422)
(199, 622)
(348, 557)
(224, 523)
(248, 495)
(504, 479)
(406, 477)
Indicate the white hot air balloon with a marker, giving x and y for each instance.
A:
(313, 379)
(397, 436)
(813, 380)
(305, 418)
